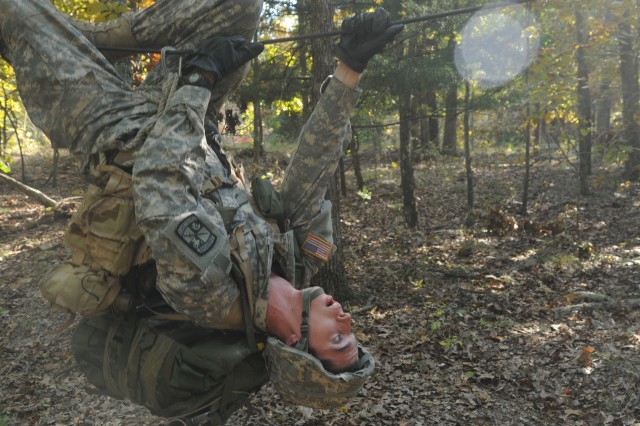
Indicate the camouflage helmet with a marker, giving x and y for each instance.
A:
(300, 378)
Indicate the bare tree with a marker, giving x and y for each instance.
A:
(630, 99)
(584, 109)
(332, 277)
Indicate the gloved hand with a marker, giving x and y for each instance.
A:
(223, 55)
(363, 36)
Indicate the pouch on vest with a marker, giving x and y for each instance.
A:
(103, 232)
(175, 369)
(267, 199)
(79, 290)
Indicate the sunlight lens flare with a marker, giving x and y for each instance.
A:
(496, 45)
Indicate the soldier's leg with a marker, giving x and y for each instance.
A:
(69, 89)
(187, 23)
(115, 33)
(181, 24)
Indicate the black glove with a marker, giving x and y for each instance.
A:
(363, 36)
(222, 55)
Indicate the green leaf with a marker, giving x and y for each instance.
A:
(4, 168)
(364, 194)
(94, 9)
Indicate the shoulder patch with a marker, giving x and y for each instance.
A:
(196, 235)
(317, 247)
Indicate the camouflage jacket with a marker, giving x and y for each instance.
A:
(186, 202)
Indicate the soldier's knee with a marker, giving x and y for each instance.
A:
(248, 8)
(248, 4)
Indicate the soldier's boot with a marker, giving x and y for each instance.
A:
(116, 33)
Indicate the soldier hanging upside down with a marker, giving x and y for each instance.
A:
(164, 189)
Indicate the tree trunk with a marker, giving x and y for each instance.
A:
(304, 26)
(4, 138)
(450, 137)
(426, 146)
(343, 178)
(630, 100)
(406, 163)
(332, 277)
(467, 151)
(355, 155)
(414, 126)
(258, 132)
(414, 108)
(425, 136)
(53, 176)
(431, 101)
(584, 109)
(603, 112)
(527, 158)
(32, 192)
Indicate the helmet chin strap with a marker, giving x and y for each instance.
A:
(308, 294)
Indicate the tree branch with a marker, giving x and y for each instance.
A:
(32, 192)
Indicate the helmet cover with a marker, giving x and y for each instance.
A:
(301, 379)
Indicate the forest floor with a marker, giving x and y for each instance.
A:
(508, 321)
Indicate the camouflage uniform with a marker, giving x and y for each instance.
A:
(170, 173)
(76, 96)
(181, 187)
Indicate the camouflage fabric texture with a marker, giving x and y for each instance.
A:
(170, 172)
(300, 378)
(88, 108)
(321, 144)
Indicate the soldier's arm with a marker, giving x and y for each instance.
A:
(324, 137)
(347, 76)
(184, 229)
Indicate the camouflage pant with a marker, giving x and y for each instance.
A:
(75, 95)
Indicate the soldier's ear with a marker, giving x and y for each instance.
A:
(292, 340)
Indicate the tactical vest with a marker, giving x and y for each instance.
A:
(107, 244)
(173, 368)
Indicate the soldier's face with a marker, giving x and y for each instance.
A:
(330, 337)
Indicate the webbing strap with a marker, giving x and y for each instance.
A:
(112, 385)
(245, 263)
(169, 87)
(308, 294)
(132, 369)
(174, 316)
(163, 348)
(119, 180)
(246, 311)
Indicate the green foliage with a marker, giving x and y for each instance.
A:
(450, 343)
(422, 61)
(105, 11)
(4, 166)
(286, 123)
(99, 10)
(364, 194)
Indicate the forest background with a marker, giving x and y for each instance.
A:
(488, 217)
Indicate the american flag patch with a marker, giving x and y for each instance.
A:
(317, 247)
